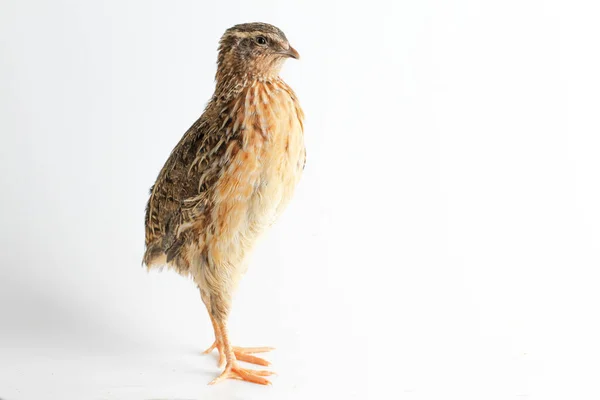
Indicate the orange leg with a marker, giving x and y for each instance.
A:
(232, 369)
(217, 344)
(241, 353)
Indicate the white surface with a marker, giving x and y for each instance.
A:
(444, 242)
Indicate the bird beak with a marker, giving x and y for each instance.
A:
(291, 52)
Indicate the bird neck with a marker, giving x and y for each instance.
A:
(235, 72)
(229, 83)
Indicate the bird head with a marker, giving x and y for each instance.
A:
(253, 50)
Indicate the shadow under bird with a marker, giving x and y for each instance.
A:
(228, 179)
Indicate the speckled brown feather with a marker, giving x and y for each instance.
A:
(233, 171)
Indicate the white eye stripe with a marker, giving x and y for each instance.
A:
(244, 35)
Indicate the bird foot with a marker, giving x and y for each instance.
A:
(219, 346)
(241, 354)
(245, 354)
(211, 348)
(233, 371)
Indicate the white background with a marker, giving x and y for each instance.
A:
(444, 242)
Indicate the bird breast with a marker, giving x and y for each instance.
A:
(265, 167)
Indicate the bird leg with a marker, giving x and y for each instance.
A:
(217, 344)
(232, 369)
(241, 353)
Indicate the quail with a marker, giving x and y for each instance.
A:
(228, 179)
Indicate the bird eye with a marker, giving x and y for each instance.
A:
(261, 40)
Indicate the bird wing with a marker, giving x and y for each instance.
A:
(181, 198)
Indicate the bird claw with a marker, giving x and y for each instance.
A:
(245, 354)
(211, 348)
(217, 345)
(241, 354)
(233, 371)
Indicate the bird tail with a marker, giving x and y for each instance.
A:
(154, 255)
